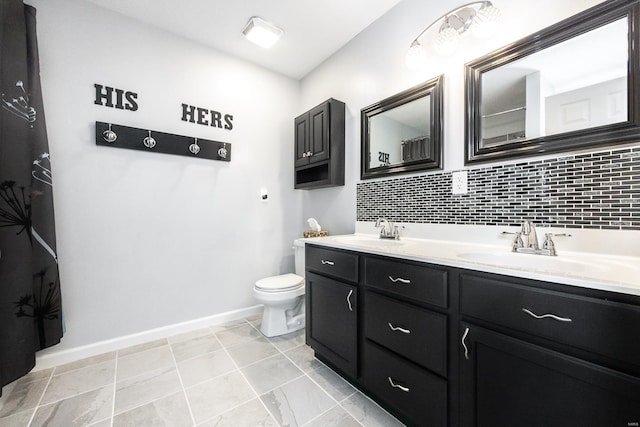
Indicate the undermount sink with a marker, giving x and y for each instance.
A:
(532, 262)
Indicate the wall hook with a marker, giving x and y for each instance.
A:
(194, 148)
(222, 152)
(109, 135)
(149, 141)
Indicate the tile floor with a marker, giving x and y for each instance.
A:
(229, 375)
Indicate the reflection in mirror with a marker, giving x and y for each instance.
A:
(402, 133)
(567, 87)
(538, 95)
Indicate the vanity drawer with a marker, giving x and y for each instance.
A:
(415, 333)
(331, 262)
(414, 281)
(597, 325)
(412, 391)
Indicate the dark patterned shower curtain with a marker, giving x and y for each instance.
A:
(30, 316)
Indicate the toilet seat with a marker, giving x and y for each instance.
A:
(282, 283)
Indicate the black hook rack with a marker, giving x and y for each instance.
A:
(113, 135)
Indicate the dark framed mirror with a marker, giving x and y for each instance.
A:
(571, 86)
(403, 133)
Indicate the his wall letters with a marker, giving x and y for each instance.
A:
(115, 98)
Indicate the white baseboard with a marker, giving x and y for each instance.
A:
(50, 358)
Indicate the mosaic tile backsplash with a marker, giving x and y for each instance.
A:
(598, 190)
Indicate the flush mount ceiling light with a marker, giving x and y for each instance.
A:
(480, 17)
(261, 32)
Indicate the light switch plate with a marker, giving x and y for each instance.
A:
(459, 182)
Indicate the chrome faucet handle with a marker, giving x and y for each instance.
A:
(382, 222)
(548, 243)
(517, 241)
(557, 234)
(387, 230)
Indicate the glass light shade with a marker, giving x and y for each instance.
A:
(261, 32)
(484, 23)
(447, 41)
(416, 57)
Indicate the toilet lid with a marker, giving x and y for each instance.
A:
(283, 282)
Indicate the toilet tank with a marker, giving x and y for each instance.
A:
(298, 248)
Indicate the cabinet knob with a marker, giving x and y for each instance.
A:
(304, 154)
(309, 154)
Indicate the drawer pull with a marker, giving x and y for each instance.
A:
(464, 337)
(552, 316)
(349, 300)
(399, 279)
(326, 262)
(397, 328)
(403, 388)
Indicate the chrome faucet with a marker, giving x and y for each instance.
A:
(529, 231)
(387, 230)
(529, 245)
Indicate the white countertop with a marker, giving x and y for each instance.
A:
(608, 272)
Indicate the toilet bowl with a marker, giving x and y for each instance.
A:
(283, 298)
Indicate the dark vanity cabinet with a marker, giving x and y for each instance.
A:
(383, 324)
(533, 355)
(332, 306)
(319, 146)
(442, 346)
(404, 352)
(507, 381)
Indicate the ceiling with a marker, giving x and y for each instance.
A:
(313, 30)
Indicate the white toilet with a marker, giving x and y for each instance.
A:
(283, 298)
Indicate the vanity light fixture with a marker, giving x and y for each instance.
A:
(479, 17)
(261, 32)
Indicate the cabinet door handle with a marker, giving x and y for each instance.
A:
(399, 279)
(394, 385)
(464, 337)
(552, 316)
(309, 154)
(398, 328)
(327, 262)
(349, 300)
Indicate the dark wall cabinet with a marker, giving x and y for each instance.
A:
(319, 146)
(440, 346)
